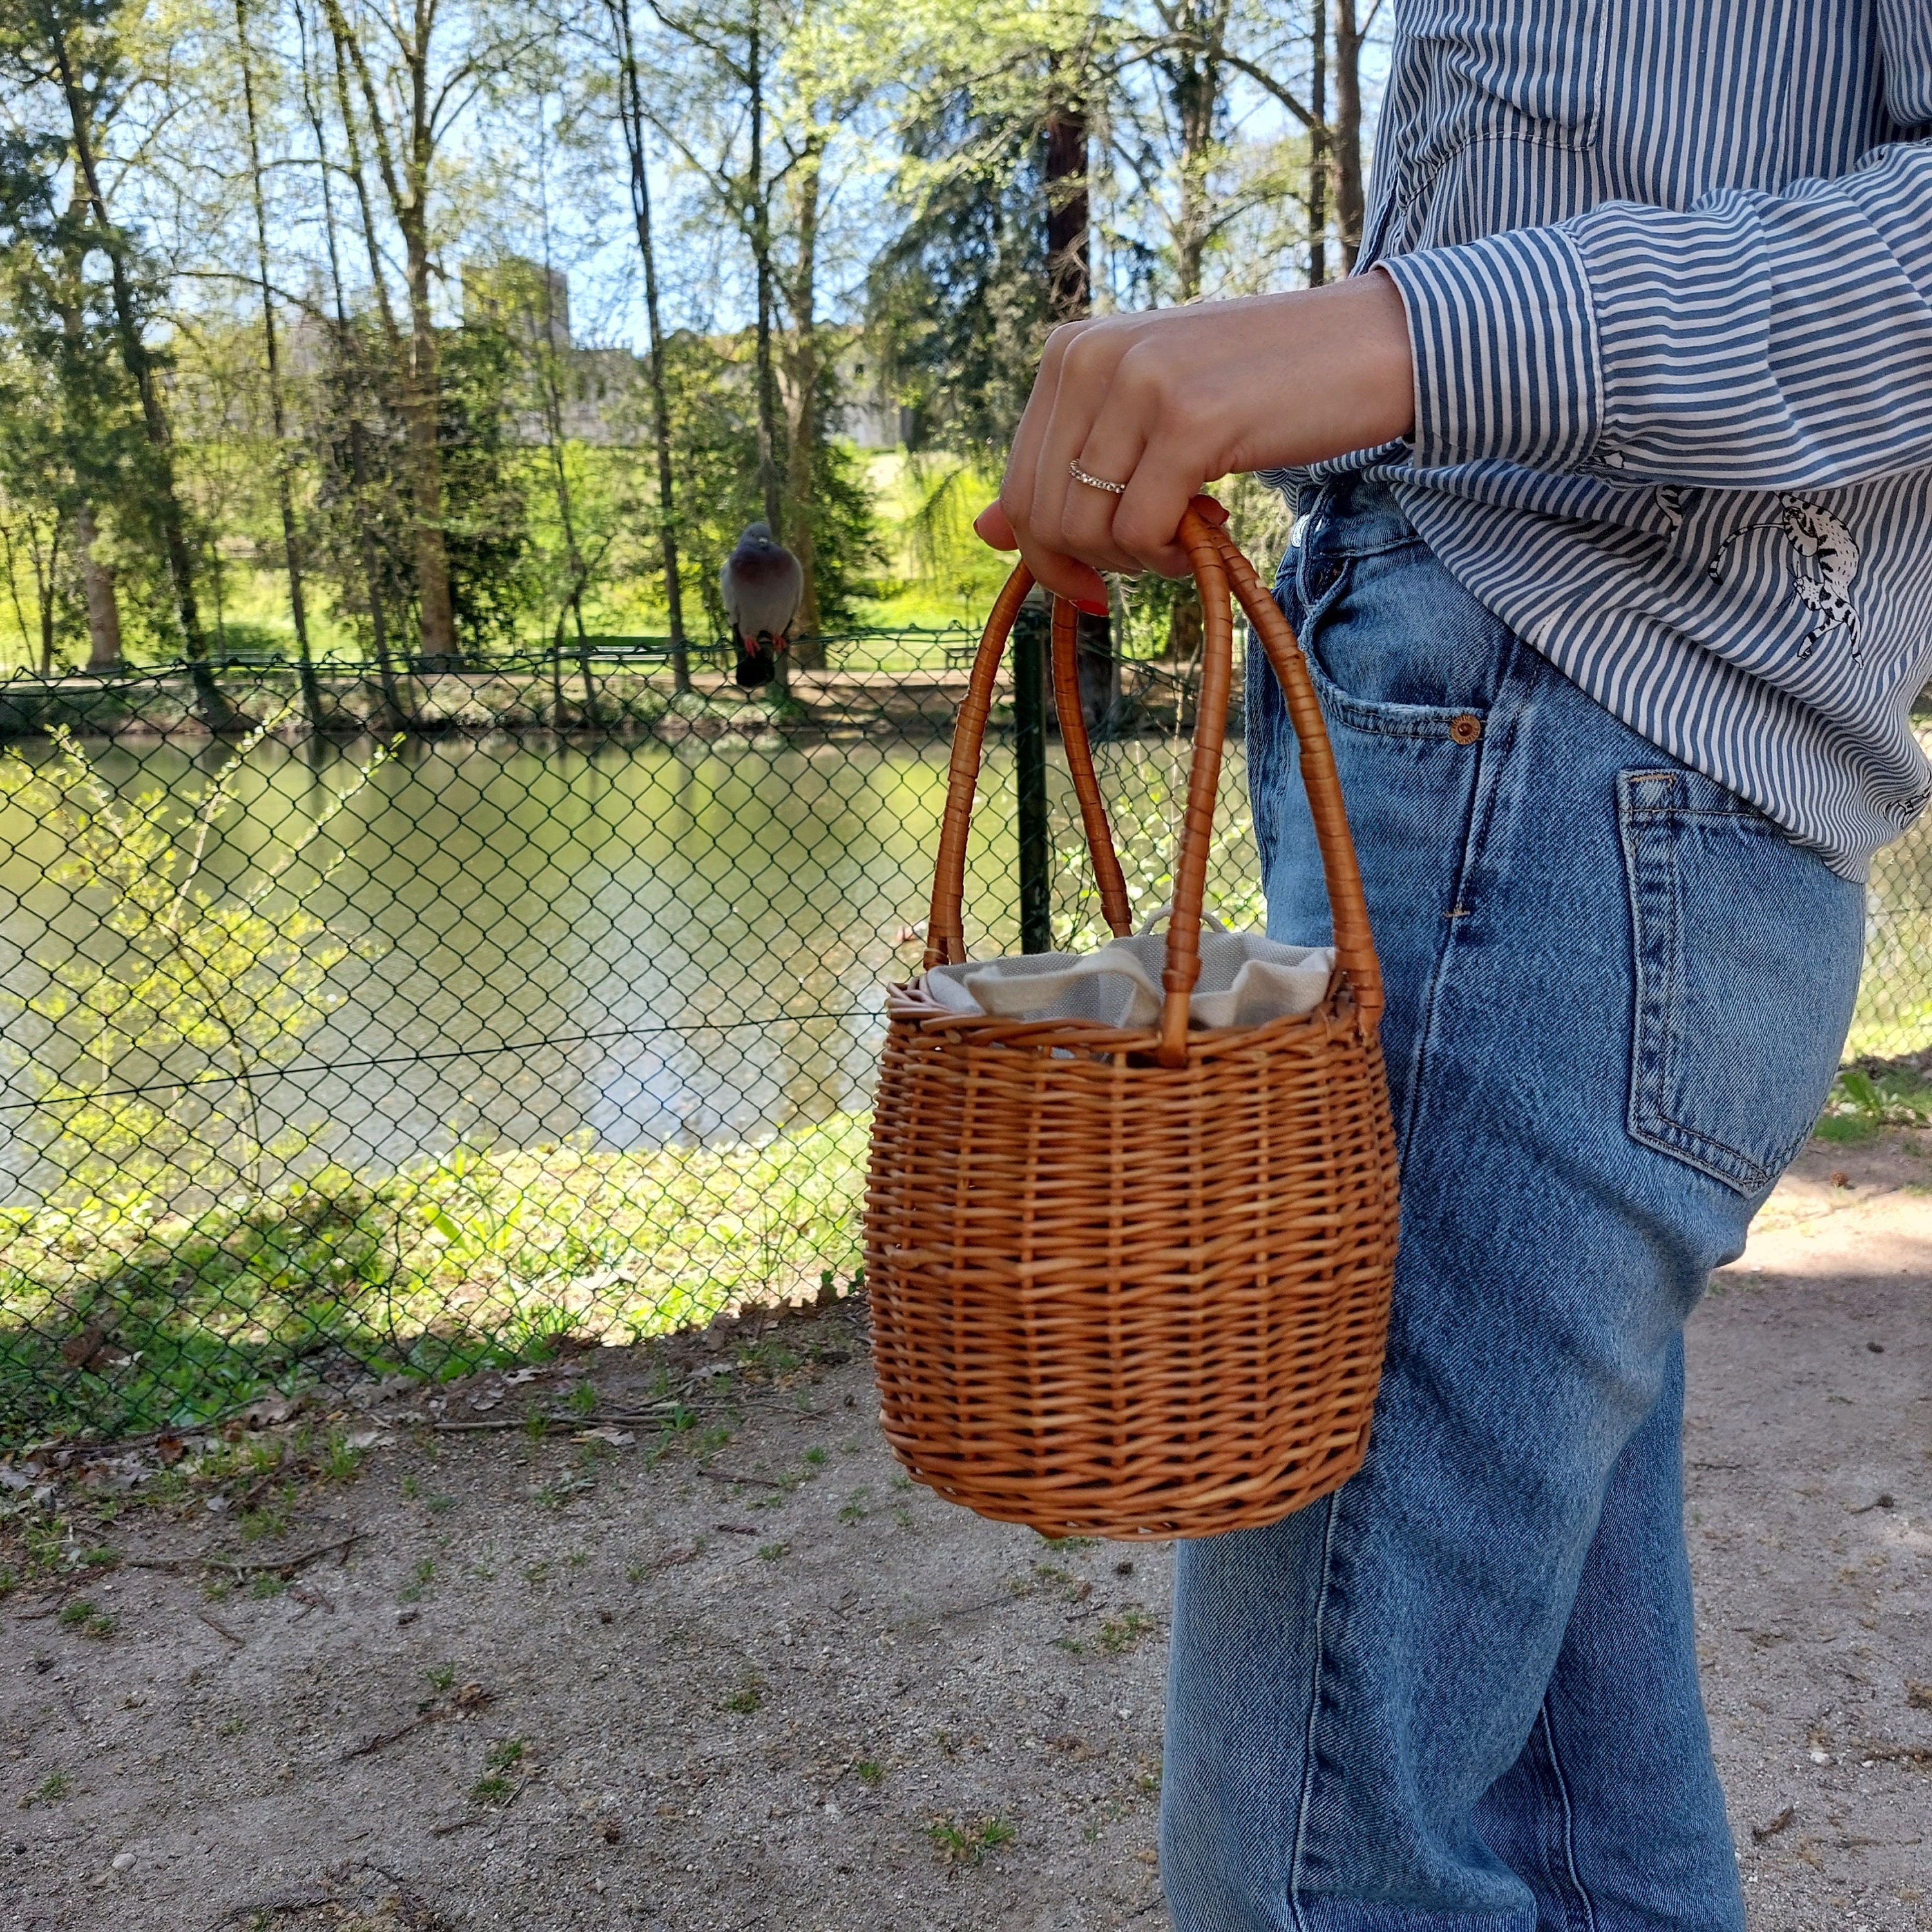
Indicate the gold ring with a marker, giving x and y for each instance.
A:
(1079, 475)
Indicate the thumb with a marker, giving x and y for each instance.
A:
(992, 528)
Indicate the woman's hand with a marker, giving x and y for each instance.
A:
(1165, 402)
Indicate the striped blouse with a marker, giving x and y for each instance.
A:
(1668, 269)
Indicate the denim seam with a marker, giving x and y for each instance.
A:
(1655, 965)
(1334, 1507)
(1568, 1812)
(1435, 722)
(1345, 552)
(1492, 750)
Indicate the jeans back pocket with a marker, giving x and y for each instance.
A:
(1747, 953)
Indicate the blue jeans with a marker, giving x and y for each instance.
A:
(1460, 1695)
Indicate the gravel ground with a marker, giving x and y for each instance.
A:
(584, 1682)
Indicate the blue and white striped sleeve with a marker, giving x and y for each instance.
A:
(1751, 341)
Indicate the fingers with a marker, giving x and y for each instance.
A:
(1099, 406)
(1016, 487)
(993, 529)
(1067, 576)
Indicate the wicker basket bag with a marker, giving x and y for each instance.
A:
(1134, 1282)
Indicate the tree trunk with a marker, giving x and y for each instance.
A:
(1070, 297)
(408, 191)
(436, 610)
(1195, 82)
(46, 566)
(103, 607)
(801, 464)
(135, 359)
(1193, 92)
(392, 708)
(1069, 249)
(1347, 132)
(547, 357)
(760, 209)
(630, 112)
(285, 496)
(1318, 145)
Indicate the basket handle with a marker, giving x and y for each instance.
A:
(1114, 907)
(1341, 872)
(1219, 571)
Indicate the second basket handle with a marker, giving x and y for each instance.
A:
(1219, 568)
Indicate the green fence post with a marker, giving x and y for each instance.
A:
(1030, 635)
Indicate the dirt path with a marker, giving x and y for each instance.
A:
(579, 1683)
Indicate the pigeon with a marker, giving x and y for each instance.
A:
(762, 583)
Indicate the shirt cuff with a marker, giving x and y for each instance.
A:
(1508, 361)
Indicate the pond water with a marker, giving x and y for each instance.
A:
(635, 942)
(638, 944)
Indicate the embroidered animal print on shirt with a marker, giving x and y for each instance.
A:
(1825, 559)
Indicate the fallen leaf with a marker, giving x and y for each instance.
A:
(1839, 1178)
(79, 1351)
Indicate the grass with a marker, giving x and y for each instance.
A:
(81, 1615)
(959, 1842)
(1874, 1094)
(747, 1698)
(125, 1319)
(1123, 1632)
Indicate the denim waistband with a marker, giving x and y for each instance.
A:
(1351, 516)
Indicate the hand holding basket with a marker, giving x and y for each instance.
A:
(1135, 1282)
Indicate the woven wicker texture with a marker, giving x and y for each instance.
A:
(1136, 1283)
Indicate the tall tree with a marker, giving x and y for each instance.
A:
(631, 119)
(411, 98)
(1350, 38)
(348, 384)
(1069, 262)
(272, 368)
(68, 53)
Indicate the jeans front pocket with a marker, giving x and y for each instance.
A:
(1746, 957)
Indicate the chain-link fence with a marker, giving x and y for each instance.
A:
(400, 1018)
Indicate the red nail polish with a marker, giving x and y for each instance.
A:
(1092, 609)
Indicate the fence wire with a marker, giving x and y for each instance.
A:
(408, 1018)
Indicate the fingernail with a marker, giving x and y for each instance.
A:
(1092, 610)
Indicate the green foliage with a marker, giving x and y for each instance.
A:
(715, 418)
(363, 528)
(204, 984)
(176, 1315)
(1876, 1093)
(958, 299)
(960, 1841)
(847, 553)
(493, 578)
